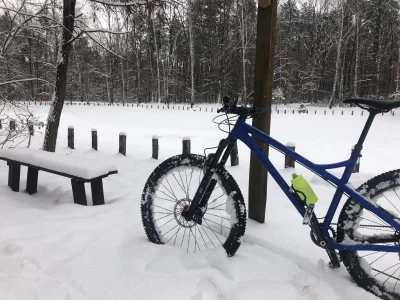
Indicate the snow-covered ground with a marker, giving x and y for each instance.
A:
(52, 249)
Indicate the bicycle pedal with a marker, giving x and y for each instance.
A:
(308, 215)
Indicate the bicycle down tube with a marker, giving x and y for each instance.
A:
(242, 131)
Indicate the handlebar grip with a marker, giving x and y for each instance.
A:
(222, 110)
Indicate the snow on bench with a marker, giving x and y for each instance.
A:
(79, 169)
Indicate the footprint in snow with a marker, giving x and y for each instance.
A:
(9, 248)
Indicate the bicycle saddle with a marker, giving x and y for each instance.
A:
(380, 105)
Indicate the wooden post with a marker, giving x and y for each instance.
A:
(1, 126)
(12, 125)
(186, 145)
(71, 137)
(155, 147)
(94, 139)
(342, 112)
(289, 163)
(362, 112)
(31, 129)
(263, 86)
(122, 143)
(357, 166)
(235, 156)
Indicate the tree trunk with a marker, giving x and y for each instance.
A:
(53, 119)
(157, 62)
(338, 54)
(357, 38)
(244, 46)
(191, 49)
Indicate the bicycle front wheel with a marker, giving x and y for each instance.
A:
(377, 272)
(171, 188)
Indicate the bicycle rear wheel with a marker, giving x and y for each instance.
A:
(170, 189)
(377, 272)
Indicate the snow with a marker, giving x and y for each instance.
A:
(291, 144)
(186, 138)
(81, 167)
(51, 248)
(123, 133)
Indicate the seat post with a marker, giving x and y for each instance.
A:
(358, 147)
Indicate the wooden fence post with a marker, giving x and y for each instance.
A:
(122, 143)
(155, 147)
(235, 156)
(186, 145)
(1, 125)
(12, 125)
(31, 129)
(71, 137)
(289, 163)
(357, 166)
(94, 139)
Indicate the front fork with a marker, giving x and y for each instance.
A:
(198, 206)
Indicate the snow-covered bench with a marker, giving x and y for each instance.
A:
(79, 169)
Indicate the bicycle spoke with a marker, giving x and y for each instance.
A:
(177, 234)
(209, 214)
(397, 280)
(391, 203)
(212, 208)
(179, 184)
(173, 218)
(182, 181)
(207, 235)
(190, 180)
(187, 250)
(216, 199)
(162, 217)
(169, 231)
(370, 254)
(372, 221)
(379, 258)
(163, 208)
(184, 233)
(208, 226)
(171, 189)
(162, 213)
(216, 223)
(173, 201)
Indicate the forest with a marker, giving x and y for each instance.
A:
(197, 51)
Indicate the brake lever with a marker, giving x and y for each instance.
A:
(259, 112)
(223, 109)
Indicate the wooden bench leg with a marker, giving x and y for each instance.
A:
(78, 190)
(97, 191)
(14, 172)
(32, 181)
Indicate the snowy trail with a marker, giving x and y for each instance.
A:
(51, 248)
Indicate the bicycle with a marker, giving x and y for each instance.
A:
(181, 203)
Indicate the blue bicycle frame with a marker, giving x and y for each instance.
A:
(247, 133)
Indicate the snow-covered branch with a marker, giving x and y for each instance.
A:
(21, 80)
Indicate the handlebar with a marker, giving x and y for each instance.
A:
(243, 112)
